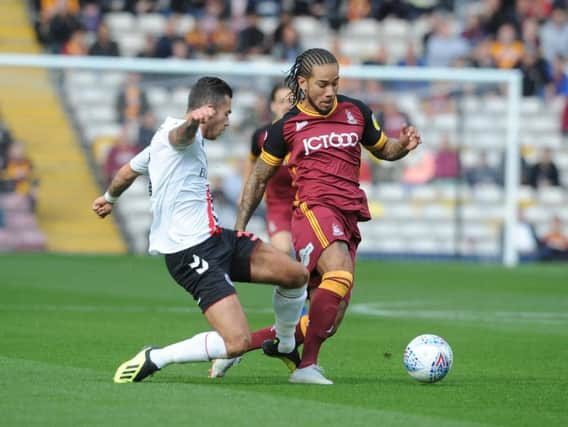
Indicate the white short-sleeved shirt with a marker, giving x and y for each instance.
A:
(182, 207)
(139, 163)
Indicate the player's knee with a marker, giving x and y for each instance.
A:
(293, 276)
(300, 276)
(238, 344)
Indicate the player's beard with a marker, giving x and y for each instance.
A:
(315, 107)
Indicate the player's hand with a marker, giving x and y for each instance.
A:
(201, 115)
(101, 207)
(409, 137)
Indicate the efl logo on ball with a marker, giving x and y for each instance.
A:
(428, 358)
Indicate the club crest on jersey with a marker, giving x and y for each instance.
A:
(350, 119)
(301, 125)
(336, 230)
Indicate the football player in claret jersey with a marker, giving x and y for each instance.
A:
(200, 256)
(279, 204)
(279, 190)
(322, 136)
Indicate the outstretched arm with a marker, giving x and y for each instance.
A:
(253, 192)
(123, 179)
(395, 149)
(184, 134)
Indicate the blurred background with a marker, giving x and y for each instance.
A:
(65, 132)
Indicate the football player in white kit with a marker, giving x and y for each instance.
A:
(202, 257)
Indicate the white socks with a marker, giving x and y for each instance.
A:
(288, 304)
(199, 348)
(206, 346)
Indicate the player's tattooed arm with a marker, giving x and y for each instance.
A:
(395, 149)
(253, 192)
(184, 134)
(392, 150)
(123, 179)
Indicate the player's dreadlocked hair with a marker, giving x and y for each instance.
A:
(303, 67)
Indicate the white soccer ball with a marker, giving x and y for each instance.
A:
(428, 358)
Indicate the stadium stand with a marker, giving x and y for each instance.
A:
(35, 116)
(448, 215)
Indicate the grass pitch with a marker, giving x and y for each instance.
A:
(67, 322)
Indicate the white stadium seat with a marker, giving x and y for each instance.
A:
(531, 105)
(361, 29)
(358, 48)
(120, 23)
(437, 212)
(245, 99)
(392, 244)
(151, 23)
(95, 130)
(537, 214)
(388, 191)
(424, 192)
(551, 195)
(267, 25)
(157, 97)
(526, 194)
(495, 105)
(445, 122)
(185, 24)
(424, 246)
(77, 78)
(112, 80)
(308, 26)
(100, 114)
(487, 248)
(488, 194)
(179, 97)
(393, 29)
(130, 43)
(399, 211)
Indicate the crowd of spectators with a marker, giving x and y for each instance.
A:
(16, 169)
(443, 163)
(531, 36)
(18, 195)
(551, 245)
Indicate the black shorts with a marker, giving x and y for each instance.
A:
(207, 270)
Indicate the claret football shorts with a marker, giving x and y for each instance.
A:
(314, 229)
(278, 218)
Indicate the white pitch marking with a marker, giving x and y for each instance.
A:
(383, 310)
(366, 309)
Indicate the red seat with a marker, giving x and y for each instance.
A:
(30, 240)
(14, 202)
(7, 240)
(20, 221)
